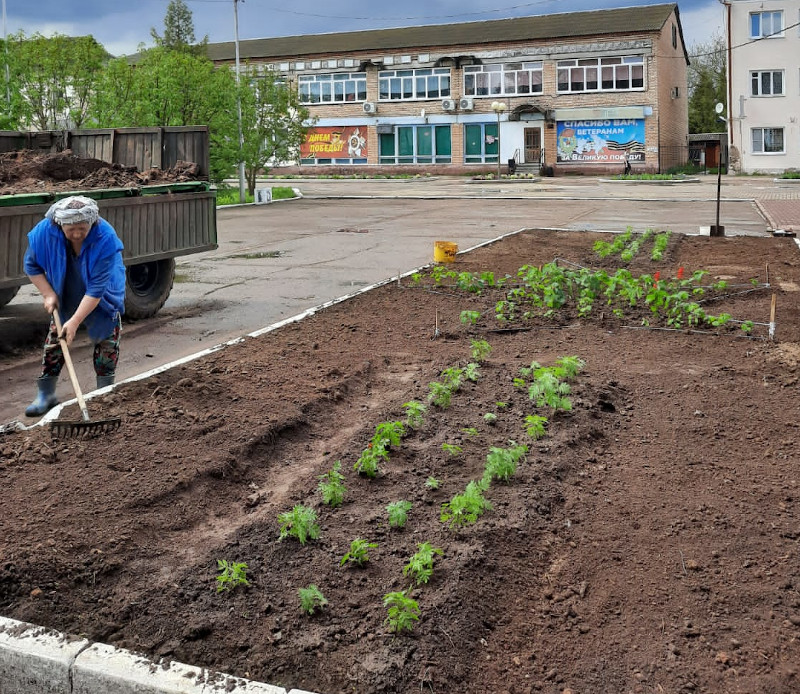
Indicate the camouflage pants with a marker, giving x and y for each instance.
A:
(105, 358)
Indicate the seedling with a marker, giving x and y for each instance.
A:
(501, 405)
(469, 317)
(414, 413)
(311, 599)
(232, 574)
(548, 391)
(300, 522)
(480, 349)
(416, 278)
(470, 431)
(403, 611)
(359, 552)
(535, 426)
(519, 383)
(747, 327)
(440, 394)
(501, 463)
(472, 372)
(490, 418)
(388, 434)
(451, 448)
(331, 485)
(432, 483)
(420, 565)
(452, 377)
(398, 513)
(367, 463)
(465, 508)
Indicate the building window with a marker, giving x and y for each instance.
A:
(503, 79)
(404, 85)
(416, 144)
(674, 36)
(766, 24)
(601, 74)
(767, 140)
(766, 83)
(480, 143)
(332, 88)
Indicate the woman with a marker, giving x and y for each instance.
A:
(74, 259)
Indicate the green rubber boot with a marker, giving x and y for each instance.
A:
(46, 399)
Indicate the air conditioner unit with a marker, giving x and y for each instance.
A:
(448, 104)
(674, 92)
(370, 107)
(465, 103)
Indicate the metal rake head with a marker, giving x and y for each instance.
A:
(84, 429)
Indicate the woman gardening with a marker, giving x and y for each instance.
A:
(74, 259)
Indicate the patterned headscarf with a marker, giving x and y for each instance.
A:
(73, 210)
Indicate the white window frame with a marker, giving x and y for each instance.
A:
(757, 83)
(616, 67)
(770, 33)
(753, 132)
(503, 79)
(414, 84)
(327, 86)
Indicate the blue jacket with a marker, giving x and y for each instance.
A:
(100, 263)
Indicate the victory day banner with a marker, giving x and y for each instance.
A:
(334, 143)
(600, 141)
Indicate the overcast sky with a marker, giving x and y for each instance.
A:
(121, 26)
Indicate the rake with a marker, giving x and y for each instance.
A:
(86, 428)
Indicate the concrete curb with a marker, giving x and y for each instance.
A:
(36, 660)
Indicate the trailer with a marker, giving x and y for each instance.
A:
(156, 223)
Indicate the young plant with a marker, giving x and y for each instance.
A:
(432, 483)
(470, 431)
(232, 574)
(548, 391)
(440, 394)
(452, 377)
(398, 513)
(472, 372)
(368, 461)
(535, 426)
(331, 486)
(300, 522)
(359, 552)
(465, 508)
(415, 412)
(501, 463)
(388, 434)
(469, 317)
(490, 418)
(451, 448)
(420, 565)
(311, 599)
(480, 349)
(569, 367)
(403, 611)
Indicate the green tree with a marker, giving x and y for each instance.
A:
(54, 78)
(707, 85)
(179, 30)
(274, 123)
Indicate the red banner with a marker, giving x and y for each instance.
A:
(335, 143)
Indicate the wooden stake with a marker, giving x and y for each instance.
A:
(772, 317)
(768, 273)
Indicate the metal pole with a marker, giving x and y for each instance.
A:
(5, 50)
(498, 144)
(242, 197)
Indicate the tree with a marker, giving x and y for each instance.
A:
(274, 123)
(54, 78)
(179, 30)
(707, 85)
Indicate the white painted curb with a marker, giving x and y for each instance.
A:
(36, 660)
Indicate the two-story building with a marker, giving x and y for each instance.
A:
(763, 38)
(574, 92)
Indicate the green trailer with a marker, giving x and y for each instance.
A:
(157, 223)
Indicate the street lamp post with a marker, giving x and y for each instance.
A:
(717, 229)
(498, 107)
(239, 102)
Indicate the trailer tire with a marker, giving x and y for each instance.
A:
(7, 294)
(147, 287)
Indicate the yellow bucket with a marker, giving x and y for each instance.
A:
(444, 251)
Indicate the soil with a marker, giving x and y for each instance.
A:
(28, 171)
(648, 543)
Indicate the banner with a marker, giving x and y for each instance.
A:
(600, 141)
(335, 143)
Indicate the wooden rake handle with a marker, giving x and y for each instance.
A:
(68, 360)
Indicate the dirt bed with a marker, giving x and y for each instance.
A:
(647, 543)
(28, 171)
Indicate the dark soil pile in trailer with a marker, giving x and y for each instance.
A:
(648, 543)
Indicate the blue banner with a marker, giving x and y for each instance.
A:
(600, 141)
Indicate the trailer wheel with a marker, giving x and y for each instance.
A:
(7, 294)
(147, 288)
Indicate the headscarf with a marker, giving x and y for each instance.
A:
(73, 210)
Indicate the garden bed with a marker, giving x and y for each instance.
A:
(647, 542)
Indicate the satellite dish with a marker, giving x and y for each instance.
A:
(720, 107)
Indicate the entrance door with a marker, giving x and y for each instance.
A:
(533, 145)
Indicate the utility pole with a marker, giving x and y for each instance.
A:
(238, 100)
(5, 50)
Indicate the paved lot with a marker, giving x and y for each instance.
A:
(275, 261)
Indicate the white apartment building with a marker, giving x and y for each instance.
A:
(763, 39)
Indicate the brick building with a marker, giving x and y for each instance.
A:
(573, 92)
